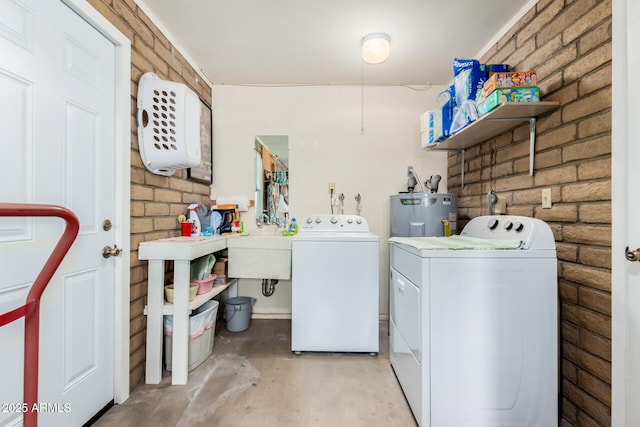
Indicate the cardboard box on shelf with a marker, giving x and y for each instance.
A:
(510, 94)
(510, 79)
(221, 266)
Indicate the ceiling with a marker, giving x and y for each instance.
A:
(312, 42)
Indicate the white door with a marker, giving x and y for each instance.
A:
(626, 214)
(57, 78)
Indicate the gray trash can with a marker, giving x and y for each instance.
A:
(238, 313)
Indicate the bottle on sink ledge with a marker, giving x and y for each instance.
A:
(293, 227)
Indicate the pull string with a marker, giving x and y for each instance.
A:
(362, 100)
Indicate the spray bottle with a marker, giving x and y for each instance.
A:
(193, 217)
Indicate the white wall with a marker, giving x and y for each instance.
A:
(325, 145)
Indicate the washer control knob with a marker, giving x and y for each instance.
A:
(318, 220)
(508, 225)
(493, 223)
(334, 219)
(309, 220)
(358, 220)
(518, 227)
(349, 220)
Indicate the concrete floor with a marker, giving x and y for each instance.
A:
(253, 379)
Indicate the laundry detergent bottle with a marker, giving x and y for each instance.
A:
(193, 218)
(293, 227)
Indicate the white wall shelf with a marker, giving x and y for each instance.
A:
(501, 119)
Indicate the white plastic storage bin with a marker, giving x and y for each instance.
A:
(202, 326)
(168, 125)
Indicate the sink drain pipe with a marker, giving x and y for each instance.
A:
(268, 286)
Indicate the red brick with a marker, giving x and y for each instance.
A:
(567, 251)
(595, 125)
(568, 292)
(556, 137)
(590, 363)
(590, 20)
(596, 37)
(558, 60)
(557, 213)
(164, 195)
(583, 107)
(592, 277)
(587, 234)
(588, 404)
(541, 19)
(569, 333)
(596, 344)
(595, 300)
(587, 191)
(587, 149)
(513, 183)
(559, 175)
(595, 256)
(595, 213)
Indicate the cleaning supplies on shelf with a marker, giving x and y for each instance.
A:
(285, 232)
(193, 218)
(293, 227)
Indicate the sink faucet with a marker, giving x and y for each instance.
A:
(262, 220)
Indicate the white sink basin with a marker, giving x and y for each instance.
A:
(260, 256)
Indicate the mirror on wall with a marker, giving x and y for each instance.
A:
(272, 178)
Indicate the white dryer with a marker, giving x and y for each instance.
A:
(474, 324)
(335, 285)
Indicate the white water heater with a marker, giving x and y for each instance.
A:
(421, 214)
(168, 125)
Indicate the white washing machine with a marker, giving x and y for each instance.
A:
(335, 285)
(474, 324)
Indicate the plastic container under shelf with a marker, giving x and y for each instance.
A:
(168, 292)
(204, 285)
(202, 326)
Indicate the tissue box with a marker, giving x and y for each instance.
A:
(511, 79)
(505, 95)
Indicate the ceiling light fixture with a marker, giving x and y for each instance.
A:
(375, 48)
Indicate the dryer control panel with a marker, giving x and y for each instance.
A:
(334, 223)
(534, 233)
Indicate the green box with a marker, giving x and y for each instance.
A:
(508, 94)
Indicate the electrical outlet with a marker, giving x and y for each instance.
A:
(546, 198)
(332, 188)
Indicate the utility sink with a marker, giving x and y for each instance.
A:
(260, 256)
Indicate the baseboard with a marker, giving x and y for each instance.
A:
(382, 317)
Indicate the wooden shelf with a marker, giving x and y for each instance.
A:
(497, 121)
(167, 308)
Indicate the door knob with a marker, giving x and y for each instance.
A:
(108, 251)
(632, 256)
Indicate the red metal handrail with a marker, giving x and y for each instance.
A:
(31, 310)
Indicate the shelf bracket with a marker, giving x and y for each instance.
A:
(532, 136)
(532, 143)
(462, 152)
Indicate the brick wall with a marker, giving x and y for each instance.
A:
(568, 43)
(156, 200)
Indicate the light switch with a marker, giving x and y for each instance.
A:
(546, 198)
